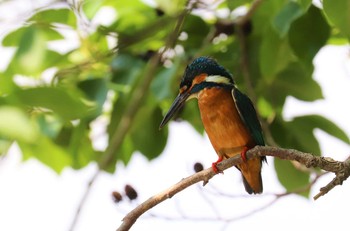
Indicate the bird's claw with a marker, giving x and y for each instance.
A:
(215, 168)
(244, 154)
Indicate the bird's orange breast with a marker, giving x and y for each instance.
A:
(222, 122)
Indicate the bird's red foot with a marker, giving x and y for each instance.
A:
(243, 154)
(213, 165)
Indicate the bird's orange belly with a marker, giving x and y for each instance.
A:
(222, 122)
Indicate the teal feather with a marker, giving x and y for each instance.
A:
(248, 114)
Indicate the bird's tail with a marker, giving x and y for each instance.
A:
(251, 174)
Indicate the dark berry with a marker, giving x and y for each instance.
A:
(159, 12)
(224, 27)
(198, 167)
(117, 197)
(130, 192)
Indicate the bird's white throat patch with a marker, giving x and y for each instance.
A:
(217, 79)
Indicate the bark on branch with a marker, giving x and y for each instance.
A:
(340, 168)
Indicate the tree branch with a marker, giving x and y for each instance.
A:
(340, 176)
(341, 170)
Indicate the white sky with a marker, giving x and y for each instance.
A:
(33, 197)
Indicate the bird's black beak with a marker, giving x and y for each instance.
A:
(176, 106)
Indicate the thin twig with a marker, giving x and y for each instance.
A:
(339, 178)
(83, 199)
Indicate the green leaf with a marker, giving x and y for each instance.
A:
(305, 4)
(163, 83)
(95, 90)
(197, 30)
(288, 82)
(141, 39)
(50, 124)
(278, 127)
(265, 15)
(299, 132)
(32, 56)
(47, 152)
(90, 8)
(286, 16)
(67, 105)
(303, 137)
(14, 38)
(16, 125)
(124, 154)
(75, 140)
(145, 134)
(253, 60)
(309, 34)
(5, 146)
(124, 73)
(296, 134)
(190, 113)
(126, 7)
(233, 4)
(291, 178)
(317, 121)
(171, 7)
(338, 12)
(265, 108)
(96, 43)
(294, 81)
(6, 83)
(117, 112)
(275, 54)
(142, 15)
(54, 59)
(81, 148)
(225, 52)
(49, 16)
(126, 69)
(126, 150)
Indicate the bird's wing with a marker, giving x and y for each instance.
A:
(248, 114)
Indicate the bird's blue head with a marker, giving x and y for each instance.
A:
(204, 66)
(202, 73)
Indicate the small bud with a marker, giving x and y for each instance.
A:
(159, 12)
(198, 167)
(224, 27)
(147, 55)
(117, 197)
(130, 192)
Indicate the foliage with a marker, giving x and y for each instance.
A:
(50, 116)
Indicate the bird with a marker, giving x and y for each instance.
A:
(228, 116)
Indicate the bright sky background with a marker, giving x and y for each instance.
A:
(33, 197)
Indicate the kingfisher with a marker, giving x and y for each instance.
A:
(229, 117)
